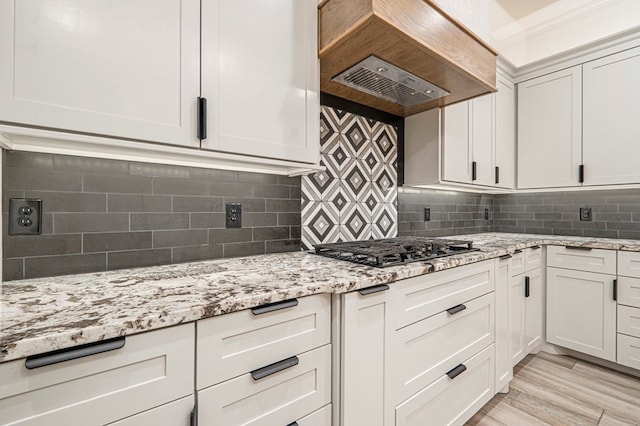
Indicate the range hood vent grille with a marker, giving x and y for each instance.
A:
(384, 80)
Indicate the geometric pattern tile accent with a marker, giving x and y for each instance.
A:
(356, 197)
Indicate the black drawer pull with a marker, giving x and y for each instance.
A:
(527, 285)
(193, 418)
(578, 248)
(62, 355)
(293, 424)
(535, 247)
(456, 371)
(276, 306)
(456, 309)
(274, 368)
(615, 290)
(517, 251)
(374, 289)
(505, 257)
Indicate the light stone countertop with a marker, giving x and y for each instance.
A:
(40, 315)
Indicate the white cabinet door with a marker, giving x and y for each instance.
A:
(365, 340)
(533, 310)
(611, 129)
(505, 133)
(260, 77)
(504, 370)
(550, 130)
(128, 69)
(517, 319)
(482, 137)
(456, 143)
(581, 312)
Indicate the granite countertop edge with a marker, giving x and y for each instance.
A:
(45, 314)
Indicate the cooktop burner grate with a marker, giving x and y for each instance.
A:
(393, 251)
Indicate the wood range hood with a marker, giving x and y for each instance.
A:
(416, 36)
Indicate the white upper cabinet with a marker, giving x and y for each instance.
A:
(482, 139)
(456, 143)
(467, 141)
(550, 130)
(611, 132)
(260, 78)
(505, 134)
(128, 69)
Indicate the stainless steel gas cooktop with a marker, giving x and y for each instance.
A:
(393, 251)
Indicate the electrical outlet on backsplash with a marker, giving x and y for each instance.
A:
(356, 197)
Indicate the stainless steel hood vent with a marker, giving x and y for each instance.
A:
(384, 80)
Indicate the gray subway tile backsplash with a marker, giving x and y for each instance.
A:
(108, 214)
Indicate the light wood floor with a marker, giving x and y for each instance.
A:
(558, 390)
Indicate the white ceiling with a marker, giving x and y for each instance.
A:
(525, 31)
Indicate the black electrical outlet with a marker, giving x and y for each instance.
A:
(234, 215)
(486, 214)
(25, 216)
(427, 214)
(585, 214)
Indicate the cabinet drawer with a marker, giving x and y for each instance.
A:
(629, 351)
(176, 413)
(629, 264)
(629, 291)
(321, 417)
(234, 344)
(277, 399)
(517, 263)
(588, 260)
(439, 343)
(532, 258)
(629, 321)
(420, 297)
(151, 369)
(451, 401)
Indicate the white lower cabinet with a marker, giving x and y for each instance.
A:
(365, 343)
(629, 351)
(441, 342)
(581, 312)
(504, 367)
(151, 369)
(268, 365)
(176, 413)
(321, 417)
(298, 386)
(533, 310)
(452, 401)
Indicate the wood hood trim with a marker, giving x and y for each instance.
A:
(415, 35)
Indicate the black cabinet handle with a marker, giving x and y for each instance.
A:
(193, 419)
(535, 247)
(497, 174)
(474, 170)
(456, 309)
(456, 371)
(505, 257)
(578, 248)
(275, 306)
(202, 118)
(581, 173)
(374, 289)
(274, 368)
(527, 285)
(615, 290)
(517, 251)
(62, 355)
(293, 424)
